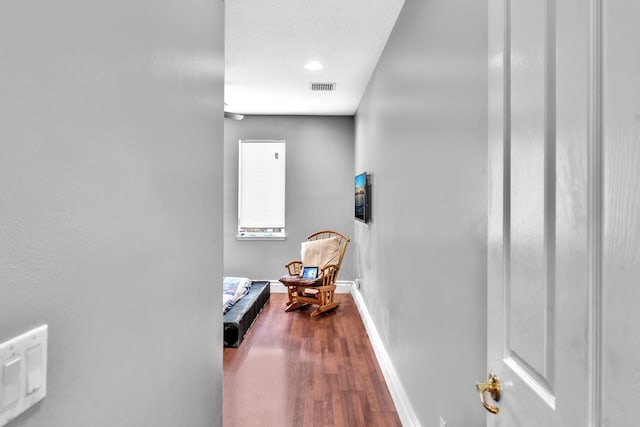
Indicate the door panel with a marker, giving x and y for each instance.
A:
(530, 306)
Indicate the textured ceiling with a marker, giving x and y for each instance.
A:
(268, 42)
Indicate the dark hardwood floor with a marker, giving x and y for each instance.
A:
(294, 370)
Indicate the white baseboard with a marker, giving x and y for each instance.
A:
(403, 405)
(342, 287)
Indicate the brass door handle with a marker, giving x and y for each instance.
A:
(493, 387)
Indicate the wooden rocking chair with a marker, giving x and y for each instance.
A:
(320, 291)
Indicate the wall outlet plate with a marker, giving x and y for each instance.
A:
(23, 373)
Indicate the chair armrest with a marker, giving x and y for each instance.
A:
(293, 267)
(329, 273)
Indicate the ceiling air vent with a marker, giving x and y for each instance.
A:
(323, 86)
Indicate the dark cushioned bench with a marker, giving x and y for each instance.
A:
(239, 319)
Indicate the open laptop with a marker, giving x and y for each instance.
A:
(309, 272)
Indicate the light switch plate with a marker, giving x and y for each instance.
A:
(30, 349)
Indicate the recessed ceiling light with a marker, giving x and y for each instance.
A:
(313, 66)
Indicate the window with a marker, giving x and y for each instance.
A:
(261, 189)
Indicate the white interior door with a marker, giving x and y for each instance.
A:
(543, 299)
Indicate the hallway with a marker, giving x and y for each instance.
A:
(294, 370)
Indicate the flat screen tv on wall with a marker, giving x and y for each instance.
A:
(363, 198)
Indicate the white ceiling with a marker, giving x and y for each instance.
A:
(268, 42)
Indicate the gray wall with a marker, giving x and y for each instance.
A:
(111, 206)
(421, 132)
(319, 193)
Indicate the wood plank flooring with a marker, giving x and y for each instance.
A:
(293, 370)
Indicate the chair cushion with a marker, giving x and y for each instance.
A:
(318, 253)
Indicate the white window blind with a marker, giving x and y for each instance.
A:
(261, 189)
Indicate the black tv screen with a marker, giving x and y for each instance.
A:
(362, 198)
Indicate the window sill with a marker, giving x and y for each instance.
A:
(259, 236)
